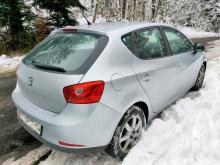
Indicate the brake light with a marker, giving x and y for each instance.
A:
(69, 30)
(84, 93)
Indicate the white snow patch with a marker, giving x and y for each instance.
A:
(59, 158)
(213, 49)
(9, 62)
(188, 132)
(193, 33)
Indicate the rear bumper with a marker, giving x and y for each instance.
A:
(91, 125)
(57, 147)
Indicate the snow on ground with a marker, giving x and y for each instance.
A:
(59, 158)
(213, 49)
(188, 132)
(193, 33)
(9, 63)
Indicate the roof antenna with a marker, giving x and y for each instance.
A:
(88, 23)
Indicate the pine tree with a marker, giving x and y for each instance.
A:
(212, 11)
(60, 11)
(13, 15)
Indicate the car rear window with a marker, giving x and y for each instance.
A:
(73, 52)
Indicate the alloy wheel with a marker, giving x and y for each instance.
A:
(131, 133)
(201, 76)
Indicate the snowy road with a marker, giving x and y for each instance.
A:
(187, 133)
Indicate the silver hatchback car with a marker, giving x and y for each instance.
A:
(96, 86)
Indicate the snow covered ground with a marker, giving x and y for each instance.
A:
(213, 49)
(193, 33)
(8, 64)
(188, 132)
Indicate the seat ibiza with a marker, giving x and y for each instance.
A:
(94, 87)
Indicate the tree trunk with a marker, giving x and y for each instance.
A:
(95, 12)
(143, 11)
(129, 14)
(134, 9)
(15, 23)
(124, 4)
(92, 6)
(153, 9)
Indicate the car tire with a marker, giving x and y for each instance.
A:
(200, 78)
(127, 133)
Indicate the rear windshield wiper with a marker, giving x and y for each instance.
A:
(48, 67)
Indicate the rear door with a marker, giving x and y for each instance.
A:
(156, 70)
(188, 61)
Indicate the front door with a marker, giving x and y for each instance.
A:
(189, 61)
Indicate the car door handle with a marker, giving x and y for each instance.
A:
(179, 64)
(146, 76)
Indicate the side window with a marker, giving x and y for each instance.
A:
(149, 44)
(177, 41)
(126, 39)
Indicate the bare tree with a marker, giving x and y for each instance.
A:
(124, 6)
(95, 3)
(143, 10)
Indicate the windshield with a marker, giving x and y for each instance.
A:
(73, 52)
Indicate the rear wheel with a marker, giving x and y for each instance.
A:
(200, 78)
(128, 133)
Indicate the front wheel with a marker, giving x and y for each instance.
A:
(200, 78)
(127, 134)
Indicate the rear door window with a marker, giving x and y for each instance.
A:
(73, 52)
(149, 44)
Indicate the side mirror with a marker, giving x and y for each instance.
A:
(198, 47)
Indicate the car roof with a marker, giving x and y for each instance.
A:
(111, 28)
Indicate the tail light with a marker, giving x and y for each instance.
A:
(84, 93)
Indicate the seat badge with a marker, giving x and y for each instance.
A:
(30, 81)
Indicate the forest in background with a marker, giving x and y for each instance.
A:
(200, 14)
(24, 23)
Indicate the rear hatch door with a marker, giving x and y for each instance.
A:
(59, 61)
(45, 89)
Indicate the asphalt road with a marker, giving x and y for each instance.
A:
(14, 140)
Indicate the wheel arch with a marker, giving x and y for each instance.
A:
(144, 107)
(205, 63)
